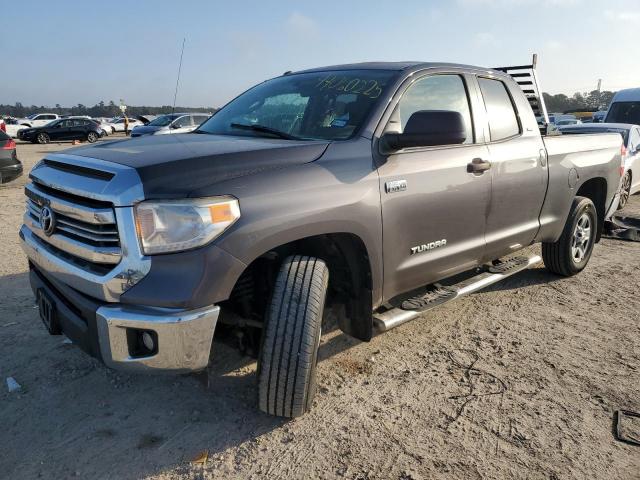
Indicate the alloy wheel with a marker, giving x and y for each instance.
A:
(581, 238)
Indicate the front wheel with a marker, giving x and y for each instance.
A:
(571, 253)
(289, 353)
(92, 137)
(625, 190)
(43, 138)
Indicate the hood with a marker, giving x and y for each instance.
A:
(173, 166)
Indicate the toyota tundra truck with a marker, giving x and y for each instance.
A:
(385, 189)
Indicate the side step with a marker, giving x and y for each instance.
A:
(414, 307)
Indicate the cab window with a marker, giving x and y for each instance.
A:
(436, 92)
(503, 120)
(183, 122)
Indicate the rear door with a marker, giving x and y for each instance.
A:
(80, 128)
(518, 167)
(433, 209)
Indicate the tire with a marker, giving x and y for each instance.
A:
(92, 137)
(42, 138)
(625, 190)
(571, 253)
(289, 353)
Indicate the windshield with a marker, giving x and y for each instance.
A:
(329, 105)
(32, 116)
(624, 112)
(163, 120)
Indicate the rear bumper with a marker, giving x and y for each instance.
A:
(10, 172)
(110, 332)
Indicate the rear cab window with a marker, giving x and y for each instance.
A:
(501, 113)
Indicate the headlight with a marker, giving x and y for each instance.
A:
(176, 225)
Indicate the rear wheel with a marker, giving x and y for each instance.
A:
(42, 138)
(92, 137)
(571, 253)
(625, 190)
(287, 361)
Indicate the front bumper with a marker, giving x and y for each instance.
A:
(183, 338)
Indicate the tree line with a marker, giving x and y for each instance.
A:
(587, 101)
(100, 109)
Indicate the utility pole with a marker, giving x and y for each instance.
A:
(599, 95)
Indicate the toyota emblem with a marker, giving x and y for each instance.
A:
(48, 221)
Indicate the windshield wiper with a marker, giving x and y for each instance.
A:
(263, 129)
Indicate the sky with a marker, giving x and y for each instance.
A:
(88, 51)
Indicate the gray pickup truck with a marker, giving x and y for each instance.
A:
(388, 188)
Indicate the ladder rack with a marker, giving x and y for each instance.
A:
(525, 76)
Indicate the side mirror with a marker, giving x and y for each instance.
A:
(175, 126)
(427, 128)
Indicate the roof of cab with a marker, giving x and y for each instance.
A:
(396, 66)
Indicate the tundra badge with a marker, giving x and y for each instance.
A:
(428, 246)
(395, 186)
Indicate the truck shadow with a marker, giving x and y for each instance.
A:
(71, 402)
(527, 278)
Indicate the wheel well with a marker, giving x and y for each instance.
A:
(350, 281)
(596, 190)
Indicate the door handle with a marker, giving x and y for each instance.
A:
(478, 165)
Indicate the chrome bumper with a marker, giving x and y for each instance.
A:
(183, 338)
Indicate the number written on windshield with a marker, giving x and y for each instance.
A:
(368, 88)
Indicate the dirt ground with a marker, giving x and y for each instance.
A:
(518, 381)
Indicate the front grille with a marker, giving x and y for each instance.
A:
(83, 232)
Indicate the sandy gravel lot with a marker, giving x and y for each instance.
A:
(518, 381)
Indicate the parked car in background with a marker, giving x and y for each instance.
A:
(11, 127)
(106, 129)
(598, 117)
(625, 107)
(105, 125)
(38, 119)
(171, 123)
(146, 119)
(558, 119)
(567, 121)
(630, 182)
(117, 124)
(10, 166)
(63, 129)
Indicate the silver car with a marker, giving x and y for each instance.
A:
(171, 123)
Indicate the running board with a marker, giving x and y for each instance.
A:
(385, 321)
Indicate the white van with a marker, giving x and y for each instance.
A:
(625, 107)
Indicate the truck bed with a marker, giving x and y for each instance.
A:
(569, 158)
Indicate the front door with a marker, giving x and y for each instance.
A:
(433, 209)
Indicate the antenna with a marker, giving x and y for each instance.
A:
(175, 95)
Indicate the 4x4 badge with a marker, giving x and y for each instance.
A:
(395, 186)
